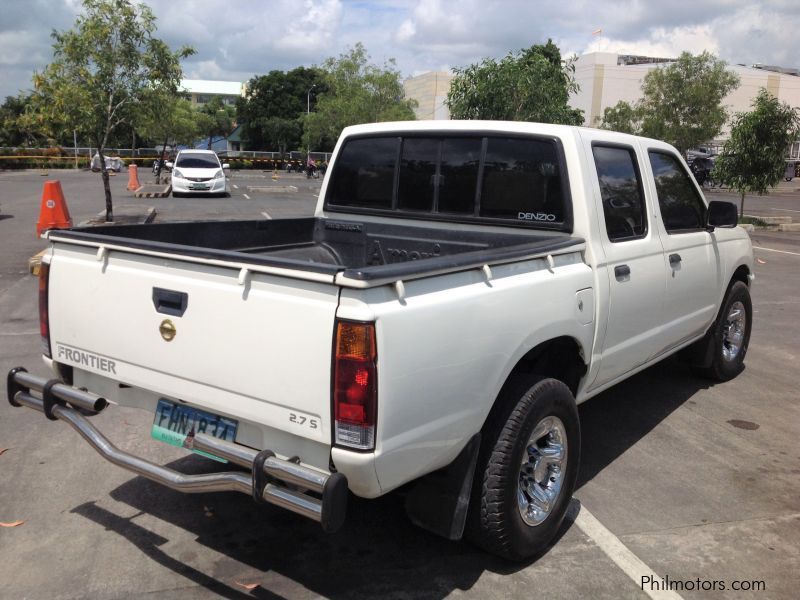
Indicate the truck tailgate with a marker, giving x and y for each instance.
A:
(258, 349)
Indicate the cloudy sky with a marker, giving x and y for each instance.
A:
(237, 39)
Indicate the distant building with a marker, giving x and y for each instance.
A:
(201, 91)
(430, 91)
(606, 78)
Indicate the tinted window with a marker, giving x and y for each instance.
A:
(681, 205)
(190, 160)
(498, 177)
(621, 192)
(364, 174)
(418, 173)
(458, 178)
(521, 181)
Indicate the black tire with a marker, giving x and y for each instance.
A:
(724, 366)
(177, 195)
(495, 521)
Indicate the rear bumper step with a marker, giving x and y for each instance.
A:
(266, 482)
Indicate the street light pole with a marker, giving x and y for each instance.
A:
(308, 113)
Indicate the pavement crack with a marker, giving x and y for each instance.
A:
(787, 517)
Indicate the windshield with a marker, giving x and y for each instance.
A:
(191, 160)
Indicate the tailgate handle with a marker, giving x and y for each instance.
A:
(169, 302)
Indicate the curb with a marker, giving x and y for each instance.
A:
(789, 227)
(122, 219)
(771, 220)
(164, 193)
(279, 189)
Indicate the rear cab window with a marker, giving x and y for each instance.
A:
(513, 180)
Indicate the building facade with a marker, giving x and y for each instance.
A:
(201, 91)
(430, 92)
(606, 78)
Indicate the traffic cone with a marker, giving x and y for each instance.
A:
(53, 213)
(133, 178)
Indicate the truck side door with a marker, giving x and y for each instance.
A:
(634, 260)
(691, 258)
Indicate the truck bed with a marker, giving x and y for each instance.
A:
(359, 250)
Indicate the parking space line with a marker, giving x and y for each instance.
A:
(266, 215)
(618, 552)
(236, 187)
(774, 250)
(246, 196)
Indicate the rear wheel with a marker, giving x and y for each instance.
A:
(526, 469)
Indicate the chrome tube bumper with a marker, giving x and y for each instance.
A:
(267, 481)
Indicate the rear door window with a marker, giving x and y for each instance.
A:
(620, 191)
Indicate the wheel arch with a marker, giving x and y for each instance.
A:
(560, 358)
(742, 273)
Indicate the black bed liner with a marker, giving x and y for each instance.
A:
(359, 250)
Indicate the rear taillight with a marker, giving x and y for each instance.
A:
(44, 318)
(355, 385)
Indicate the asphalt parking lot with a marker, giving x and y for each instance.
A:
(679, 478)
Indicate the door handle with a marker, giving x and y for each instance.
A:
(170, 302)
(674, 259)
(622, 271)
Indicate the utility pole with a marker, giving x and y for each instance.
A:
(308, 113)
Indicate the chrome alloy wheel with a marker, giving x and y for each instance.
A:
(733, 331)
(541, 473)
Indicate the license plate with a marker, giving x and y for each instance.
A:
(173, 422)
(198, 186)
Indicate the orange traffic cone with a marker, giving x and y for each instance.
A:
(133, 178)
(53, 213)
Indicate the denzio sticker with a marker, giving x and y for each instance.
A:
(529, 216)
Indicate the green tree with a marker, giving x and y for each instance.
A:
(622, 117)
(168, 118)
(273, 105)
(17, 127)
(532, 85)
(682, 102)
(102, 70)
(216, 119)
(358, 92)
(753, 159)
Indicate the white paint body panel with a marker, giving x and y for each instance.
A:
(258, 346)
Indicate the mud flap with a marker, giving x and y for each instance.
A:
(439, 501)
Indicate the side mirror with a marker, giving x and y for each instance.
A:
(722, 214)
(226, 166)
(168, 164)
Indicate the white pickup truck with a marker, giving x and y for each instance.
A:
(460, 289)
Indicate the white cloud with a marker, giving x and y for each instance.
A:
(236, 40)
(668, 43)
(314, 26)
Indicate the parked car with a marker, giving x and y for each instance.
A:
(198, 172)
(462, 286)
(113, 163)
